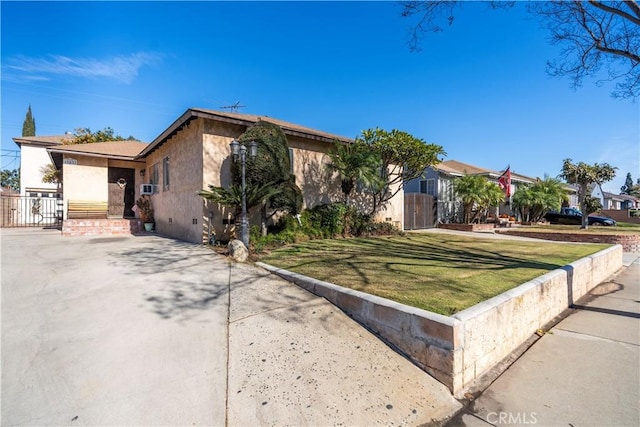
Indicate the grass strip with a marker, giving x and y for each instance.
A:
(436, 272)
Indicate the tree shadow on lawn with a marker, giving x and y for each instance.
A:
(414, 253)
(412, 259)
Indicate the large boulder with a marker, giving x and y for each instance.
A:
(237, 250)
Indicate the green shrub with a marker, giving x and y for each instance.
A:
(321, 222)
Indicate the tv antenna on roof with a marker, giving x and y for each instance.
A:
(233, 108)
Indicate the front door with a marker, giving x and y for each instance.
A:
(121, 192)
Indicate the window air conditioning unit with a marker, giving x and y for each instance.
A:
(146, 189)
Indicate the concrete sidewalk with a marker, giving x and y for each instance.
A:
(295, 359)
(584, 372)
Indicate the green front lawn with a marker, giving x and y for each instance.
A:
(436, 272)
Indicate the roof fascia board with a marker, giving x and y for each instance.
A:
(285, 129)
(20, 142)
(56, 158)
(192, 113)
(175, 126)
(108, 156)
(453, 174)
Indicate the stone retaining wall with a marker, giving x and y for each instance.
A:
(458, 350)
(629, 242)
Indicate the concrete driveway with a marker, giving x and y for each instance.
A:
(112, 331)
(152, 331)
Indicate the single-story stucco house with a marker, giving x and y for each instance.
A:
(192, 153)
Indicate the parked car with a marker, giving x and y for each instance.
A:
(572, 216)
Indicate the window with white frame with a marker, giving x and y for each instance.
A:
(428, 186)
(291, 160)
(154, 176)
(165, 173)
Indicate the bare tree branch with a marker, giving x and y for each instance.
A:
(595, 36)
(633, 5)
(617, 11)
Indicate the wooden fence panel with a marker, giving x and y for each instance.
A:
(419, 211)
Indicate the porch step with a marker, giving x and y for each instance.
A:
(102, 227)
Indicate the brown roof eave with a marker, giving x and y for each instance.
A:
(314, 137)
(193, 113)
(185, 118)
(56, 159)
(89, 154)
(285, 129)
(19, 142)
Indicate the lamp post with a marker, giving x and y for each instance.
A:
(239, 151)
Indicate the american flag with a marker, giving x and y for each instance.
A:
(505, 181)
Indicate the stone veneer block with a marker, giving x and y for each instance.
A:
(605, 261)
(579, 277)
(391, 317)
(435, 329)
(352, 304)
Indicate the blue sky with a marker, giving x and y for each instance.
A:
(479, 88)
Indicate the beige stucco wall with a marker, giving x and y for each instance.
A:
(393, 211)
(217, 172)
(86, 180)
(178, 209)
(320, 186)
(310, 161)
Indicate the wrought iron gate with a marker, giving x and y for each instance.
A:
(17, 211)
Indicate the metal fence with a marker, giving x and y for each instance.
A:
(19, 211)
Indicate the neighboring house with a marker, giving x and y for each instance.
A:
(629, 202)
(610, 201)
(33, 157)
(192, 153)
(572, 193)
(437, 181)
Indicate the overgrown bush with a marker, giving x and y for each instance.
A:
(321, 222)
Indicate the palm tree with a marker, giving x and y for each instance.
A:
(469, 189)
(491, 196)
(232, 197)
(477, 194)
(355, 163)
(534, 201)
